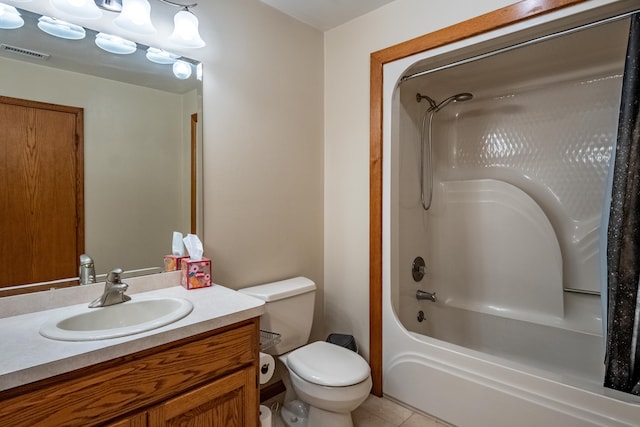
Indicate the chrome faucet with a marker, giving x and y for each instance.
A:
(114, 290)
(431, 296)
(87, 271)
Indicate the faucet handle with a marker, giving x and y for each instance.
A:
(114, 275)
(86, 271)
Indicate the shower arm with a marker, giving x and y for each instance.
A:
(432, 104)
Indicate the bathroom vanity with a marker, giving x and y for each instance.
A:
(202, 368)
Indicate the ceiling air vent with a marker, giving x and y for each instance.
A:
(25, 52)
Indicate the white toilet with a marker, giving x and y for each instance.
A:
(330, 381)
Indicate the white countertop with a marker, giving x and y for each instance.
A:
(26, 356)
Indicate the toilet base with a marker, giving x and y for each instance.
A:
(295, 414)
(300, 414)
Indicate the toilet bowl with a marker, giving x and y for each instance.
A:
(332, 380)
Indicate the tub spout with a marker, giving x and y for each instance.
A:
(431, 296)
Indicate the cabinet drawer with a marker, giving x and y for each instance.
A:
(106, 391)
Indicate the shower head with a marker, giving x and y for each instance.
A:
(433, 106)
(461, 97)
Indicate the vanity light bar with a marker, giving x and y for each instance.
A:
(25, 52)
(113, 44)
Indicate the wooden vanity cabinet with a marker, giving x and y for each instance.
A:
(220, 403)
(207, 380)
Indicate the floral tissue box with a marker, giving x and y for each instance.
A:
(195, 274)
(172, 262)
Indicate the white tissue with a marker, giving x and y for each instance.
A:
(177, 246)
(267, 367)
(194, 247)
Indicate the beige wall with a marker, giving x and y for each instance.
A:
(347, 51)
(134, 150)
(263, 153)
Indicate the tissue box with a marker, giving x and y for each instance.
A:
(195, 274)
(172, 262)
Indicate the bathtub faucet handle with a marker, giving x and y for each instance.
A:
(418, 269)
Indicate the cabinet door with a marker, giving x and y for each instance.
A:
(231, 401)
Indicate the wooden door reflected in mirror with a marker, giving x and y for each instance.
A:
(41, 188)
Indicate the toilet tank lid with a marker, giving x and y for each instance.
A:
(282, 289)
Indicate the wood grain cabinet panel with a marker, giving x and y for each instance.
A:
(215, 373)
(137, 420)
(220, 403)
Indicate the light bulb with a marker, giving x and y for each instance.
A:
(62, 29)
(10, 18)
(185, 31)
(160, 56)
(135, 17)
(115, 44)
(182, 70)
(82, 9)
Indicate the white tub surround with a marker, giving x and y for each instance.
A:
(27, 356)
(511, 241)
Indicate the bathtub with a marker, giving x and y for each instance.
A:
(511, 241)
(466, 387)
(562, 353)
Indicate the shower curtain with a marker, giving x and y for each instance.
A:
(622, 360)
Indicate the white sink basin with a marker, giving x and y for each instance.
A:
(128, 318)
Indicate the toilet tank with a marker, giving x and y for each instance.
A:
(288, 311)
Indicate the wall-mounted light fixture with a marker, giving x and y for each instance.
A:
(10, 18)
(185, 30)
(115, 44)
(160, 56)
(182, 69)
(135, 17)
(80, 9)
(110, 5)
(62, 29)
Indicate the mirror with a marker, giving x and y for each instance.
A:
(139, 140)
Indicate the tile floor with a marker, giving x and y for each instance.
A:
(375, 412)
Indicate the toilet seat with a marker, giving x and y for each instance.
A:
(329, 365)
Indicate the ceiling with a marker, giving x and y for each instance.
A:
(326, 14)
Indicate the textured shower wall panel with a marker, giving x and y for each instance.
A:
(553, 141)
(495, 252)
(408, 215)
